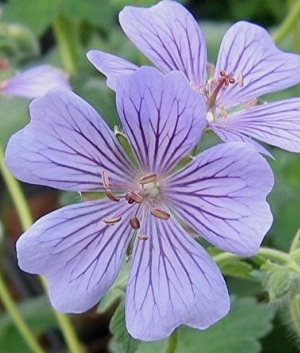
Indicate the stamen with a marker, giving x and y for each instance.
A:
(224, 112)
(132, 197)
(210, 116)
(252, 103)
(241, 80)
(160, 214)
(135, 223)
(105, 179)
(111, 221)
(111, 196)
(224, 80)
(149, 178)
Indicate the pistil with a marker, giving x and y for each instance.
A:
(223, 81)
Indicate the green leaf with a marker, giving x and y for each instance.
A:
(238, 332)
(125, 343)
(236, 268)
(98, 13)
(116, 291)
(37, 15)
(296, 242)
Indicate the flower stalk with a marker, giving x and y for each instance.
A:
(288, 23)
(65, 33)
(172, 343)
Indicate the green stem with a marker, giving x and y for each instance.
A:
(172, 343)
(275, 255)
(67, 329)
(26, 220)
(271, 254)
(11, 308)
(288, 23)
(66, 37)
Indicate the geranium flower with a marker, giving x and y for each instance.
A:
(34, 82)
(249, 65)
(220, 195)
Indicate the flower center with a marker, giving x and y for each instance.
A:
(213, 89)
(224, 80)
(147, 193)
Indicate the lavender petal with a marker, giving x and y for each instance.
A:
(277, 124)
(169, 36)
(173, 281)
(162, 116)
(67, 145)
(35, 82)
(79, 254)
(111, 66)
(249, 53)
(222, 196)
(227, 134)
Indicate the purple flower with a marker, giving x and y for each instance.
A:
(34, 82)
(220, 195)
(249, 65)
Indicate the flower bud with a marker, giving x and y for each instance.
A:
(282, 284)
(294, 311)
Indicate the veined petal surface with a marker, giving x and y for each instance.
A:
(169, 36)
(172, 281)
(222, 196)
(229, 135)
(77, 252)
(162, 116)
(277, 124)
(111, 66)
(35, 82)
(67, 145)
(249, 53)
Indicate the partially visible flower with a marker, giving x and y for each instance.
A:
(220, 195)
(34, 82)
(249, 65)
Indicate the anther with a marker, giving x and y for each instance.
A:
(224, 112)
(111, 196)
(105, 179)
(241, 80)
(134, 222)
(132, 197)
(111, 221)
(159, 214)
(149, 178)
